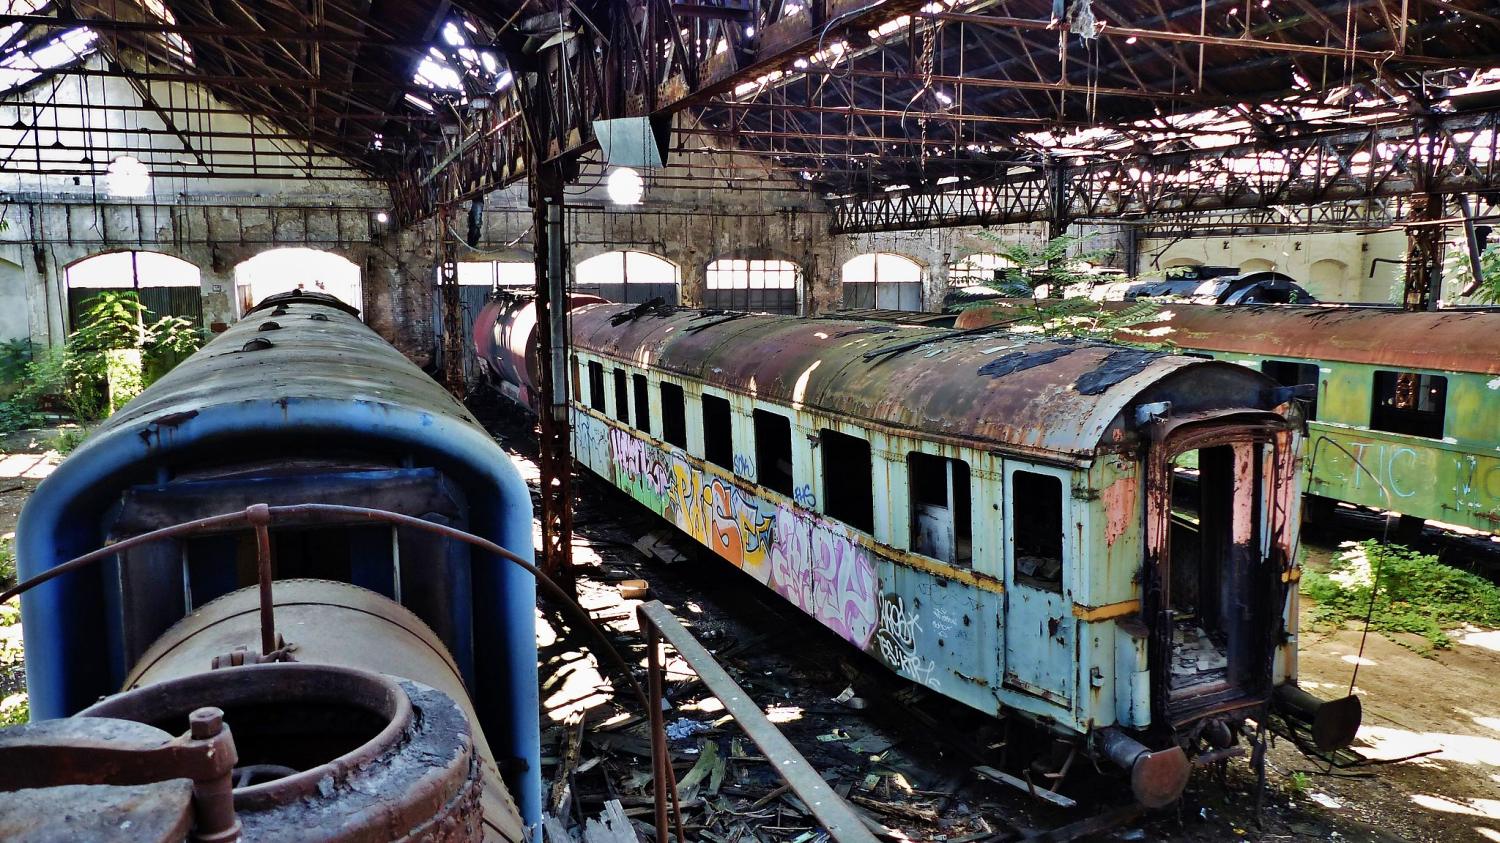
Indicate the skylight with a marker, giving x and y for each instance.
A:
(25, 63)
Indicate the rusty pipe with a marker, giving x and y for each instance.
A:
(259, 516)
(1333, 723)
(213, 796)
(1156, 778)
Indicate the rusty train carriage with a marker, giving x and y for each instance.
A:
(1402, 419)
(990, 517)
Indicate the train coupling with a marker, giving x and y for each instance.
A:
(1333, 723)
(1157, 777)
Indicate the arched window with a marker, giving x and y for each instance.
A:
(1180, 263)
(1325, 278)
(768, 286)
(977, 269)
(167, 286)
(628, 277)
(497, 275)
(1257, 265)
(882, 280)
(297, 268)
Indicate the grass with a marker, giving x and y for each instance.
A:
(1417, 593)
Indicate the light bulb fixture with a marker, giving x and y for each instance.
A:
(382, 217)
(625, 186)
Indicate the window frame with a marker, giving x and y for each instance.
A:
(1383, 417)
(708, 456)
(1013, 523)
(677, 421)
(622, 395)
(765, 473)
(641, 386)
(597, 401)
(950, 491)
(838, 513)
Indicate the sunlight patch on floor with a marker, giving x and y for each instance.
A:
(1385, 743)
(1487, 808)
(28, 466)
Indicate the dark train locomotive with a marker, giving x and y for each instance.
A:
(377, 675)
(996, 518)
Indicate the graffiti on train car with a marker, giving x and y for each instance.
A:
(816, 563)
(898, 641)
(1429, 482)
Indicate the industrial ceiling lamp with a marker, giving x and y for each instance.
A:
(127, 176)
(625, 186)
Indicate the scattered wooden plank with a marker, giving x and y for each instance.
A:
(708, 759)
(1025, 787)
(610, 827)
(553, 830)
(910, 813)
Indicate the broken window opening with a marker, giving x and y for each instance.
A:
(1292, 373)
(1036, 517)
(773, 451)
(596, 386)
(718, 437)
(940, 508)
(577, 380)
(1409, 403)
(622, 396)
(1213, 552)
(642, 404)
(673, 415)
(848, 479)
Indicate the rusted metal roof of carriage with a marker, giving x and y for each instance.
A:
(1458, 341)
(1057, 396)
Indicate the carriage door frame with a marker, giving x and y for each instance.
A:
(1041, 633)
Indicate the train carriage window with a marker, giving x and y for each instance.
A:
(941, 519)
(848, 481)
(596, 386)
(622, 396)
(673, 415)
(773, 451)
(1409, 403)
(718, 437)
(1292, 373)
(577, 382)
(642, 404)
(1036, 518)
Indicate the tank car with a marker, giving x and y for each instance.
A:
(375, 669)
(1402, 414)
(1004, 520)
(505, 342)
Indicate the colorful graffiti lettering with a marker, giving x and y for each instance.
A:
(744, 466)
(897, 638)
(816, 564)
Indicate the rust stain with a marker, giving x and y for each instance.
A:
(1119, 507)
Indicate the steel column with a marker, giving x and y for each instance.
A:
(556, 463)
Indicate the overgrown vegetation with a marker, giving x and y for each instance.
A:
(109, 359)
(1415, 593)
(1487, 291)
(1049, 266)
(1044, 274)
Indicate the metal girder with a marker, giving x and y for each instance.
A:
(1339, 166)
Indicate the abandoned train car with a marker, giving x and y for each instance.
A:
(411, 700)
(1403, 415)
(992, 517)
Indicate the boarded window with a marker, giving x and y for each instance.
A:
(642, 404)
(1036, 518)
(1292, 373)
(848, 482)
(718, 438)
(673, 415)
(622, 396)
(773, 451)
(1410, 403)
(940, 511)
(596, 386)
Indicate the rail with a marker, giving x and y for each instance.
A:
(828, 808)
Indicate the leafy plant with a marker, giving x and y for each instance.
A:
(110, 358)
(68, 439)
(1050, 266)
(7, 563)
(1458, 268)
(1298, 783)
(1416, 593)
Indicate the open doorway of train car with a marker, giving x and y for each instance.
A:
(1214, 586)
